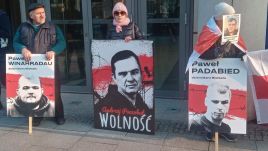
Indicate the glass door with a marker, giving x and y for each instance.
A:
(101, 17)
(68, 15)
(75, 59)
(160, 20)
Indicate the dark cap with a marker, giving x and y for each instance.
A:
(34, 6)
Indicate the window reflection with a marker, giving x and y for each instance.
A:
(66, 9)
(102, 17)
(100, 31)
(102, 9)
(68, 15)
(163, 8)
(163, 29)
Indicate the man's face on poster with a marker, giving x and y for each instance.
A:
(218, 104)
(232, 26)
(29, 91)
(127, 75)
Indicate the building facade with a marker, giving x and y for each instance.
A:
(173, 25)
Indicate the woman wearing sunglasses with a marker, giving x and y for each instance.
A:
(122, 27)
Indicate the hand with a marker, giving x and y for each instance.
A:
(128, 39)
(50, 55)
(26, 54)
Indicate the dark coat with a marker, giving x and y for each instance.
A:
(43, 108)
(227, 50)
(203, 124)
(121, 108)
(131, 30)
(5, 33)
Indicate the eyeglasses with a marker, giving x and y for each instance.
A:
(122, 13)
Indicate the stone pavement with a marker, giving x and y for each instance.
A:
(78, 134)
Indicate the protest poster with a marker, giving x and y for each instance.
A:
(123, 85)
(257, 64)
(217, 96)
(231, 28)
(30, 89)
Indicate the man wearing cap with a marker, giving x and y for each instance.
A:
(5, 33)
(39, 36)
(209, 45)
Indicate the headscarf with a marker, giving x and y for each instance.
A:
(223, 9)
(120, 7)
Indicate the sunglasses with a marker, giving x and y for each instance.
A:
(122, 13)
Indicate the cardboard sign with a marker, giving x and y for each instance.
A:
(123, 85)
(217, 96)
(30, 88)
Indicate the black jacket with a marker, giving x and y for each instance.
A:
(5, 34)
(227, 50)
(203, 124)
(38, 41)
(131, 30)
(117, 107)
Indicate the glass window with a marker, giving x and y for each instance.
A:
(163, 8)
(68, 15)
(163, 29)
(102, 17)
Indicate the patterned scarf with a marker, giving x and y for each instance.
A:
(118, 25)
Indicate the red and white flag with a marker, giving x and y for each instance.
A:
(208, 36)
(257, 63)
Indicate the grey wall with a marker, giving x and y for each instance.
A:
(253, 22)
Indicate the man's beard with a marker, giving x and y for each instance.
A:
(218, 117)
(32, 109)
(31, 99)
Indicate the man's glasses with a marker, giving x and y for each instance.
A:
(122, 13)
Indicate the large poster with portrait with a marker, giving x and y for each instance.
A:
(123, 85)
(30, 89)
(217, 96)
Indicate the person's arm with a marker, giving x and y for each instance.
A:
(138, 34)
(20, 48)
(60, 44)
(17, 43)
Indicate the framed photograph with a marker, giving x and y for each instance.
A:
(231, 28)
